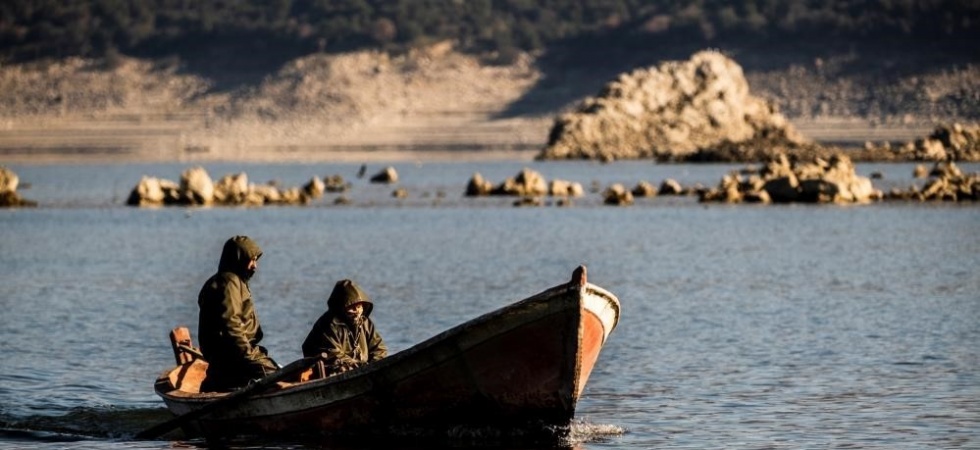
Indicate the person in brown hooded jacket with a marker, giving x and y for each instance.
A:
(228, 328)
(345, 336)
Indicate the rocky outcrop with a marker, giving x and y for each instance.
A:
(197, 189)
(315, 188)
(232, 189)
(780, 181)
(152, 191)
(527, 183)
(196, 186)
(671, 112)
(9, 181)
(948, 142)
(644, 189)
(670, 186)
(388, 175)
(336, 183)
(478, 186)
(564, 188)
(617, 195)
(946, 183)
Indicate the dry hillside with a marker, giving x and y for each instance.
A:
(369, 105)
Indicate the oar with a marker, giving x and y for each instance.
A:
(292, 368)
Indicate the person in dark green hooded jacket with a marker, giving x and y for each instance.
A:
(228, 327)
(345, 336)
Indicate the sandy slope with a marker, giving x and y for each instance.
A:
(429, 105)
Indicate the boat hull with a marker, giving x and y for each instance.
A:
(524, 364)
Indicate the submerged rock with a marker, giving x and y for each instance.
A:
(673, 112)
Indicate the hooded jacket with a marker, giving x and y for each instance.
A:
(345, 344)
(228, 328)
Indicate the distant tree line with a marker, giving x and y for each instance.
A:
(31, 29)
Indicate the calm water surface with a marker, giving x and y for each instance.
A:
(743, 326)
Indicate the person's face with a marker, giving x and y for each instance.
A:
(354, 311)
(253, 265)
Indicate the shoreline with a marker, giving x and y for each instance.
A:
(110, 140)
(336, 156)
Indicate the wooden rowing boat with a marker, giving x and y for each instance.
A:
(526, 363)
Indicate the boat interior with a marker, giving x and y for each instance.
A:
(191, 369)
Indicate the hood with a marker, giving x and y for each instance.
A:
(346, 293)
(238, 251)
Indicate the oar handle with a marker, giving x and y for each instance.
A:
(191, 350)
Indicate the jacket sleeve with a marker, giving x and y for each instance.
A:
(376, 345)
(233, 314)
(313, 344)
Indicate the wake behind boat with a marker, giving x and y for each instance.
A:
(524, 364)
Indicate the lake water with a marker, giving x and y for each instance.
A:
(743, 326)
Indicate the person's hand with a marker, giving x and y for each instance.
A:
(347, 365)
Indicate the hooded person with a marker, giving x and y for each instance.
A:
(228, 327)
(345, 336)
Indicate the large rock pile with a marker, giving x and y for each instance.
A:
(780, 181)
(672, 112)
(196, 188)
(8, 190)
